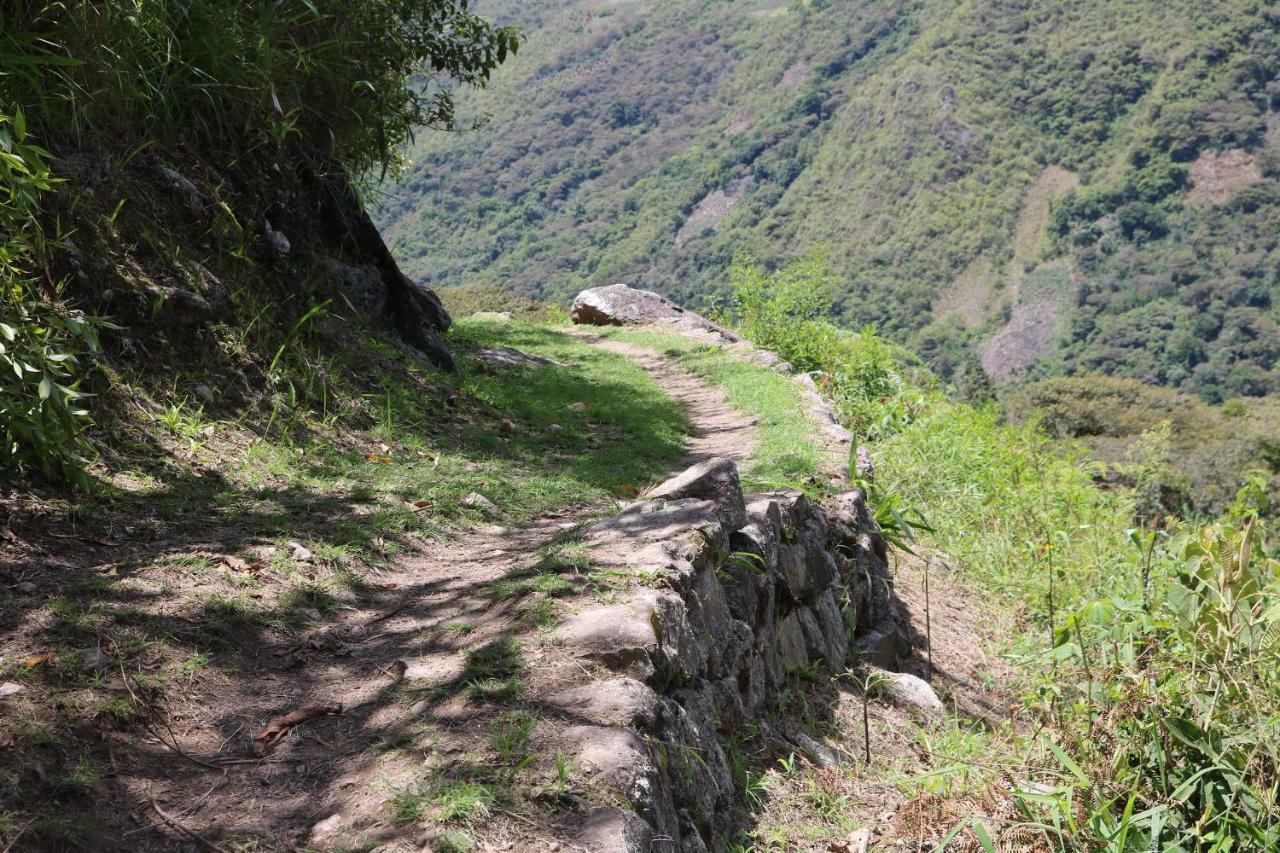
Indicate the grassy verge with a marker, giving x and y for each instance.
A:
(787, 456)
(1147, 651)
(395, 448)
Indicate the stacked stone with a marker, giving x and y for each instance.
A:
(754, 589)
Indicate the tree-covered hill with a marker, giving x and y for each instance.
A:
(1051, 187)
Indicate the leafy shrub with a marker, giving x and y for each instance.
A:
(41, 414)
(40, 345)
(861, 373)
(1173, 695)
(474, 298)
(344, 82)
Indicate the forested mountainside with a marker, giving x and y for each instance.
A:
(1055, 188)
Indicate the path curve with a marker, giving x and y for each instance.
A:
(466, 565)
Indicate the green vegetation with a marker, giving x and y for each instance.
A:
(955, 161)
(328, 90)
(1182, 455)
(338, 83)
(1150, 653)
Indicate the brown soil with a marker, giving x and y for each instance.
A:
(1216, 176)
(1027, 336)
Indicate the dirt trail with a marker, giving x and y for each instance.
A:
(399, 667)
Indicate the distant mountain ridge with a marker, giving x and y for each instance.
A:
(1052, 188)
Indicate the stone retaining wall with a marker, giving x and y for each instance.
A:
(739, 592)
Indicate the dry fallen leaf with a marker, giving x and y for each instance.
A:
(628, 489)
(378, 457)
(278, 727)
(35, 660)
(239, 565)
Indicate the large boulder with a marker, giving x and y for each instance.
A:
(623, 305)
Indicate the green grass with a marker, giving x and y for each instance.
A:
(458, 800)
(505, 447)
(493, 671)
(382, 457)
(786, 457)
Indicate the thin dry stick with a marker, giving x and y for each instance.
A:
(866, 723)
(928, 628)
(15, 838)
(194, 836)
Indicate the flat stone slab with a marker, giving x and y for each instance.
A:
(615, 702)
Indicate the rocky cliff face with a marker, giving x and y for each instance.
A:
(170, 246)
(753, 589)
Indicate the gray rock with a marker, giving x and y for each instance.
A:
(621, 637)
(649, 637)
(711, 620)
(753, 683)
(621, 759)
(726, 700)
(908, 691)
(178, 184)
(204, 393)
(834, 629)
(615, 702)
(93, 661)
(486, 507)
(815, 644)
(362, 285)
(181, 307)
(615, 830)
(511, 357)
(210, 286)
(805, 572)
(696, 768)
(816, 751)
(715, 480)
(25, 588)
(277, 245)
(764, 358)
(863, 466)
(10, 688)
(881, 645)
(614, 755)
(621, 305)
(790, 643)
(820, 411)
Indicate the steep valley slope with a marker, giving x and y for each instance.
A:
(1050, 188)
